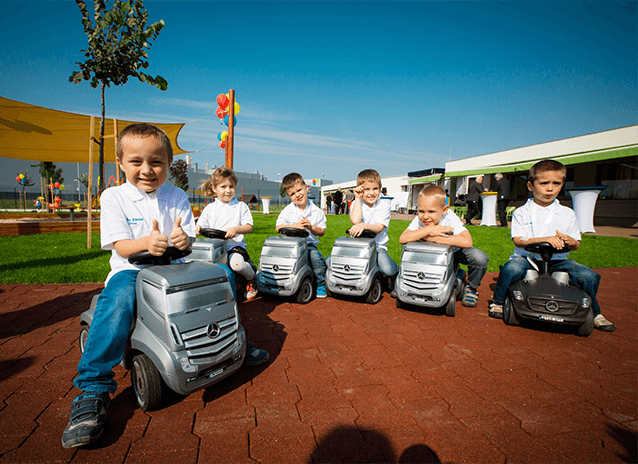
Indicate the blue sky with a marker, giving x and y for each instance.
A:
(331, 88)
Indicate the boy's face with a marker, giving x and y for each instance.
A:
(145, 163)
(546, 187)
(298, 194)
(371, 192)
(431, 210)
(225, 190)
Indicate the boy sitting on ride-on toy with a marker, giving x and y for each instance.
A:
(544, 219)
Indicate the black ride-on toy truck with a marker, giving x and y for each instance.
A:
(284, 266)
(186, 333)
(353, 268)
(545, 297)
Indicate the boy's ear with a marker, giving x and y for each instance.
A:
(530, 186)
(445, 209)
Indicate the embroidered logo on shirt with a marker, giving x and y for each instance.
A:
(134, 221)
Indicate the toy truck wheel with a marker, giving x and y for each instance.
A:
(450, 307)
(400, 304)
(587, 327)
(376, 291)
(147, 382)
(509, 315)
(304, 294)
(84, 335)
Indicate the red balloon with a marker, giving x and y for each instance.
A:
(220, 113)
(57, 185)
(222, 144)
(18, 178)
(222, 100)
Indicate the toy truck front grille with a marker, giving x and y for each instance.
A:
(421, 281)
(275, 274)
(347, 273)
(202, 349)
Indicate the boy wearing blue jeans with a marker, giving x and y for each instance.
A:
(142, 214)
(436, 222)
(304, 214)
(370, 212)
(544, 219)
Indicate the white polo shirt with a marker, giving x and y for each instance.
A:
(292, 214)
(379, 213)
(532, 220)
(220, 215)
(127, 213)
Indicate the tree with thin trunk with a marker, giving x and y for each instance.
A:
(118, 40)
(179, 174)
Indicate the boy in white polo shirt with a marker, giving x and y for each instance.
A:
(370, 212)
(142, 214)
(544, 219)
(233, 216)
(304, 214)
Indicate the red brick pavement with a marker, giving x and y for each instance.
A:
(347, 382)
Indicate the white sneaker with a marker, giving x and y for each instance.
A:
(603, 324)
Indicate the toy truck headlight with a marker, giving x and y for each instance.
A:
(518, 295)
(586, 302)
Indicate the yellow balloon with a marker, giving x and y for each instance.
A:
(224, 135)
(236, 108)
(21, 176)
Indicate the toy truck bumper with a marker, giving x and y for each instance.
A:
(353, 287)
(280, 287)
(434, 298)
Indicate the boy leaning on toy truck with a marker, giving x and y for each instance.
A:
(544, 219)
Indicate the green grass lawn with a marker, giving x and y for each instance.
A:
(63, 258)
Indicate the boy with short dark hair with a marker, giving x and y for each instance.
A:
(544, 219)
(142, 214)
(370, 212)
(304, 214)
(436, 222)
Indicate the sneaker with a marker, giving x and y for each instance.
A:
(393, 294)
(251, 291)
(603, 324)
(495, 311)
(321, 291)
(86, 423)
(255, 356)
(470, 297)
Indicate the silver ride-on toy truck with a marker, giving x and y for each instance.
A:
(212, 249)
(186, 333)
(284, 266)
(353, 268)
(429, 277)
(545, 297)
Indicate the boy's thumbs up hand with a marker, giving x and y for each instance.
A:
(157, 242)
(178, 237)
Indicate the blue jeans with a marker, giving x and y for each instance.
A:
(318, 265)
(579, 275)
(476, 261)
(386, 265)
(109, 333)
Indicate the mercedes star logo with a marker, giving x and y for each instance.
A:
(421, 275)
(551, 306)
(346, 268)
(213, 330)
(275, 267)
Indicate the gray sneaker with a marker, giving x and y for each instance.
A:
(86, 423)
(603, 324)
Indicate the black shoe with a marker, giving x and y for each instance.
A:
(86, 423)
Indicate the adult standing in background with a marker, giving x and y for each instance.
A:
(328, 203)
(475, 189)
(502, 197)
(338, 201)
(349, 200)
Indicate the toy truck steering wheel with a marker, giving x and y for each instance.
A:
(294, 232)
(367, 233)
(545, 250)
(213, 233)
(171, 253)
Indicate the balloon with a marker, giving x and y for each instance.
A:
(57, 185)
(18, 178)
(222, 144)
(222, 100)
(219, 136)
(62, 187)
(224, 135)
(236, 108)
(227, 118)
(220, 113)
(21, 176)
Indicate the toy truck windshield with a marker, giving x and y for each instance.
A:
(351, 252)
(280, 251)
(420, 257)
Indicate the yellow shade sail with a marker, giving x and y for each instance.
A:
(34, 133)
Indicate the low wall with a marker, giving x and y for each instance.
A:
(10, 229)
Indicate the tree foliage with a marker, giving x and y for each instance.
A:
(49, 171)
(118, 41)
(178, 174)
